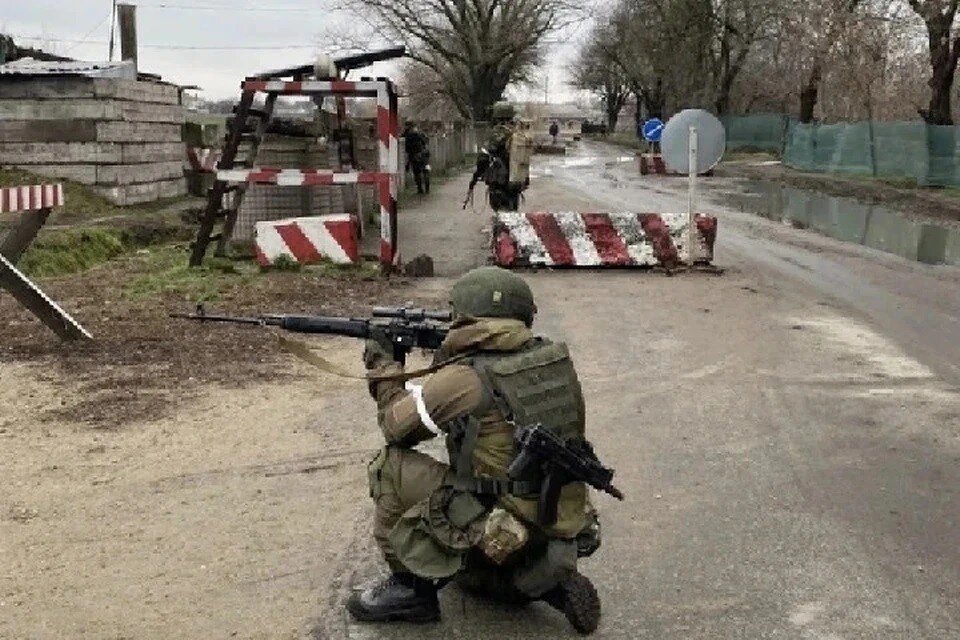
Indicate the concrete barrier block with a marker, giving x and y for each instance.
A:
(30, 153)
(123, 174)
(137, 132)
(139, 193)
(81, 109)
(151, 152)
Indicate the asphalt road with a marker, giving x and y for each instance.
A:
(787, 434)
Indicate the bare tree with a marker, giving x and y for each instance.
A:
(736, 26)
(474, 48)
(597, 71)
(939, 15)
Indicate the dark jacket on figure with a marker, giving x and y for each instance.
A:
(417, 147)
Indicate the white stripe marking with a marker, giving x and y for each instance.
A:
(315, 230)
(416, 391)
(575, 231)
(528, 242)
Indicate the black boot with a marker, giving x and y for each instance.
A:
(401, 597)
(576, 598)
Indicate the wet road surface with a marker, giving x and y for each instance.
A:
(788, 434)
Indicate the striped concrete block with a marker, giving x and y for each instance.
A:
(309, 240)
(624, 239)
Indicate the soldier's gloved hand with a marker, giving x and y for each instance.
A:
(375, 355)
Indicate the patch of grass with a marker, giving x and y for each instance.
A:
(59, 253)
(166, 270)
(284, 263)
(365, 270)
(745, 155)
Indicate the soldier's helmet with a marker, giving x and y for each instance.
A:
(502, 112)
(492, 292)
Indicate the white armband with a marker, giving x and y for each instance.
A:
(416, 391)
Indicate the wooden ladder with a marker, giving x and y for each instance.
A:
(224, 200)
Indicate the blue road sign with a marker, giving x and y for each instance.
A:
(653, 129)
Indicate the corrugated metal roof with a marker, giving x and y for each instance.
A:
(32, 67)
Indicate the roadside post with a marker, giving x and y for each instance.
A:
(692, 196)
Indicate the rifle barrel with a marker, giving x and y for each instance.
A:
(204, 317)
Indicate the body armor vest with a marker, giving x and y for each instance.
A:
(536, 385)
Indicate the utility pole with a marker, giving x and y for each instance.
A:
(113, 28)
(127, 17)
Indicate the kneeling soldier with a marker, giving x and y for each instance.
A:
(469, 520)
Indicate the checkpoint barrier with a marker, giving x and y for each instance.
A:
(34, 204)
(652, 163)
(621, 239)
(334, 238)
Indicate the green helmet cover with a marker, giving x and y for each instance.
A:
(492, 292)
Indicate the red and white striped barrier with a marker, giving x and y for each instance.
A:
(202, 159)
(653, 163)
(30, 198)
(599, 239)
(388, 136)
(300, 177)
(309, 240)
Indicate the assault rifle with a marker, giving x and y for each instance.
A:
(398, 328)
(559, 463)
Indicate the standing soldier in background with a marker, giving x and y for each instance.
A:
(505, 161)
(554, 131)
(470, 520)
(417, 147)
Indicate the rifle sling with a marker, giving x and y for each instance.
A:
(302, 350)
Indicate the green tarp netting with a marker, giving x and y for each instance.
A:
(925, 153)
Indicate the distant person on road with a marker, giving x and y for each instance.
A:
(554, 131)
(417, 146)
(468, 521)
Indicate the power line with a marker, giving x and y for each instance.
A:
(176, 47)
(186, 7)
(89, 33)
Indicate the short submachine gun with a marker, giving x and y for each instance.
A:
(557, 463)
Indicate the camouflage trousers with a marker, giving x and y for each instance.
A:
(402, 482)
(399, 480)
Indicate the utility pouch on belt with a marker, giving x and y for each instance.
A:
(435, 535)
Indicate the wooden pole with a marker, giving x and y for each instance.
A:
(127, 17)
(113, 28)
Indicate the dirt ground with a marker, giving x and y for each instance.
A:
(788, 437)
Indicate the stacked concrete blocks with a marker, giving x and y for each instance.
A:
(121, 137)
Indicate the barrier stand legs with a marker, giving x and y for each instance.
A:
(36, 203)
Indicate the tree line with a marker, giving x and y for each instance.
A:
(824, 60)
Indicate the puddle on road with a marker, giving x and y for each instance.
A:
(846, 219)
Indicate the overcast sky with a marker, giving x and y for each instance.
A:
(287, 33)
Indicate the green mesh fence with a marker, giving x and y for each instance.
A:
(760, 132)
(928, 154)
